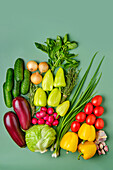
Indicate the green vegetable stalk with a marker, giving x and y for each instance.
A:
(58, 52)
(66, 121)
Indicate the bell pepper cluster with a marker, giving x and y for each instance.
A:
(50, 94)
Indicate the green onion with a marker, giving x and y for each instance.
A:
(84, 97)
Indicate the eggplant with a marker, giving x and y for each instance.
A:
(22, 109)
(12, 125)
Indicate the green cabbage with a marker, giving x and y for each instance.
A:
(39, 138)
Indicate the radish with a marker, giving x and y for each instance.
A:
(38, 115)
(46, 117)
(43, 109)
(48, 123)
(55, 115)
(50, 119)
(55, 122)
(34, 121)
(42, 113)
(50, 110)
(41, 121)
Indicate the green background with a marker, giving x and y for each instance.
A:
(88, 22)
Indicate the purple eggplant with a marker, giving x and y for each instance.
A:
(22, 109)
(12, 125)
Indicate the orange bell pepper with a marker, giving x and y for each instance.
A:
(87, 150)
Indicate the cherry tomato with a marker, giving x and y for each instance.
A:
(90, 119)
(97, 100)
(88, 109)
(98, 111)
(99, 124)
(75, 126)
(80, 117)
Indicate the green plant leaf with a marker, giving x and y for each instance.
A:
(41, 47)
(72, 45)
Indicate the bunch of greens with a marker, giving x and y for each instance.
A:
(39, 138)
(31, 94)
(58, 52)
(71, 81)
(65, 122)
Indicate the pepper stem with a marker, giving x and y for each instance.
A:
(83, 142)
(80, 155)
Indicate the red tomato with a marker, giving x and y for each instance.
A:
(80, 117)
(98, 111)
(75, 126)
(97, 100)
(88, 109)
(99, 124)
(90, 119)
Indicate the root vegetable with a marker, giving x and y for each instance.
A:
(32, 66)
(43, 67)
(36, 78)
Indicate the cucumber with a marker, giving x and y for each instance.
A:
(19, 69)
(9, 79)
(16, 89)
(7, 96)
(26, 82)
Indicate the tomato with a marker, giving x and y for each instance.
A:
(80, 117)
(88, 109)
(97, 100)
(98, 111)
(99, 124)
(75, 126)
(90, 119)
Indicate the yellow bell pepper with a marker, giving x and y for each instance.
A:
(87, 150)
(69, 142)
(87, 132)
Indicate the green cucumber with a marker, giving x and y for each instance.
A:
(19, 69)
(26, 82)
(16, 89)
(7, 96)
(9, 79)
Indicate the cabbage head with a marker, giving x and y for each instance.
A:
(39, 138)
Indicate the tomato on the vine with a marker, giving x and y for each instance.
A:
(99, 124)
(97, 100)
(75, 126)
(80, 117)
(98, 111)
(91, 119)
(88, 109)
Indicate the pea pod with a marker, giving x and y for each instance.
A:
(40, 98)
(60, 78)
(54, 97)
(47, 82)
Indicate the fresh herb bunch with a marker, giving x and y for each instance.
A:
(71, 81)
(31, 94)
(58, 52)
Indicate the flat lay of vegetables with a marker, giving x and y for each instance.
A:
(51, 109)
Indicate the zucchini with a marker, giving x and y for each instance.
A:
(26, 82)
(19, 69)
(7, 96)
(16, 89)
(9, 79)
